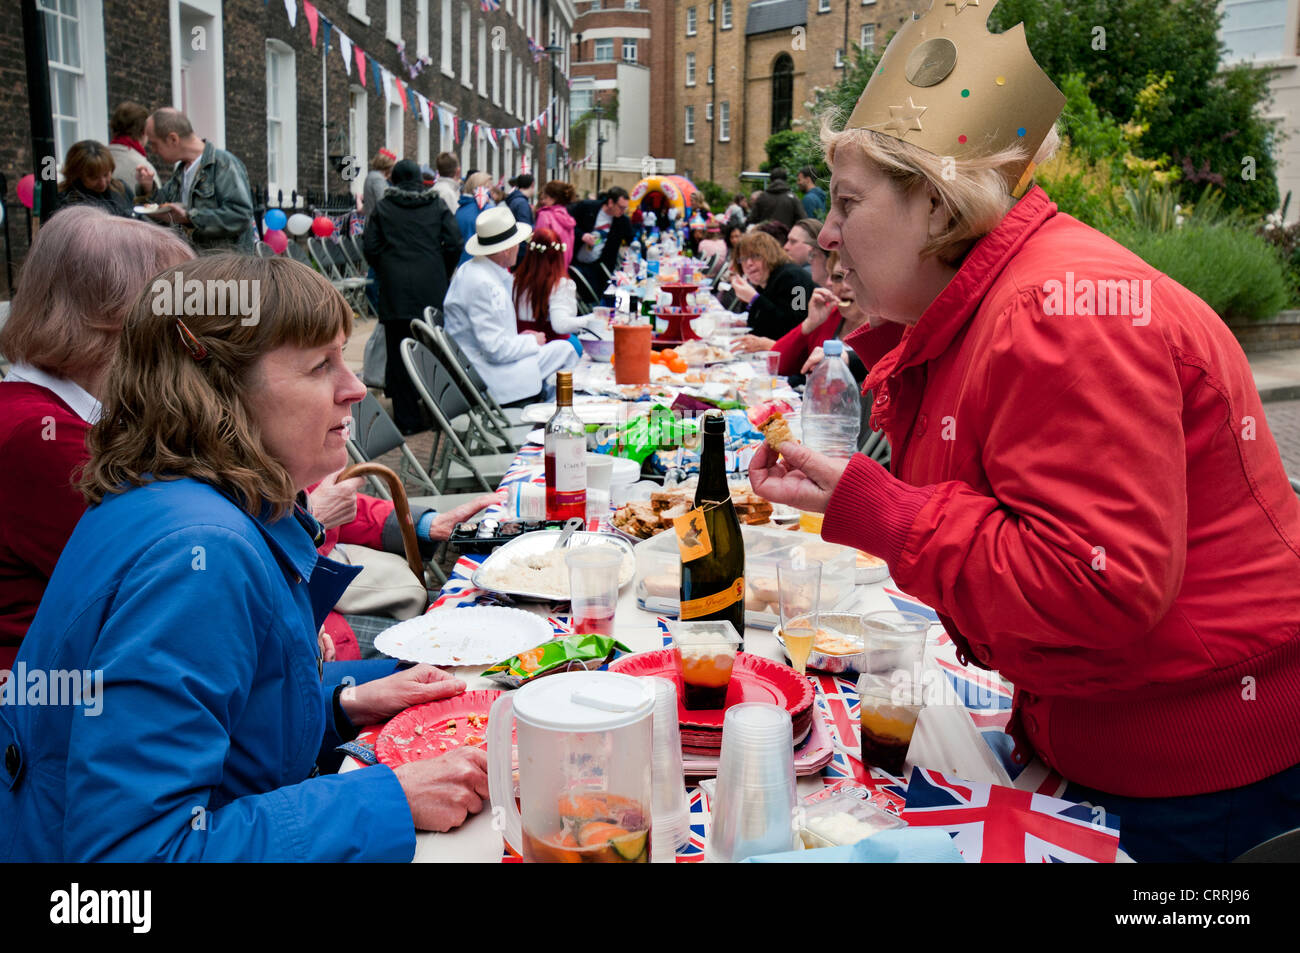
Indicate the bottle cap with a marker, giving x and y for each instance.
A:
(833, 348)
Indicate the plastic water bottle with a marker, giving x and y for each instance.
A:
(832, 406)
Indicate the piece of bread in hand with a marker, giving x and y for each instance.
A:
(776, 430)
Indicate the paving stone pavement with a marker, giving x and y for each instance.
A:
(1284, 422)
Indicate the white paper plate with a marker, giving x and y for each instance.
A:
(599, 412)
(536, 436)
(472, 635)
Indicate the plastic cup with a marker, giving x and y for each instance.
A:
(632, 353)
(754, 801)
(889, 689)
(705, 655)
(670, 811)
(593, 587)
(799, 591)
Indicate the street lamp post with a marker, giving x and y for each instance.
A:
(600, 141)
(554, 50)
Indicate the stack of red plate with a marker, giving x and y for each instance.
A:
(754, 679)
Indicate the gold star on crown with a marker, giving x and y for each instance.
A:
(980, 92)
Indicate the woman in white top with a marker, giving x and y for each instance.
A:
(546, 300)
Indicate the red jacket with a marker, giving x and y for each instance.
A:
(42, 441)
(795, 346)
(365, 529)
(1096, 508)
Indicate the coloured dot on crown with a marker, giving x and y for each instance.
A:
(961, 139)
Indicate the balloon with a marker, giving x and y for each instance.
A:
(299, 224)
(322, 226)
(27, 189)
(274, 219)
(278, 240)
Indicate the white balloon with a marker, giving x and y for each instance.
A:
(299, 224)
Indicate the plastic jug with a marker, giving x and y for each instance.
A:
(584, 744)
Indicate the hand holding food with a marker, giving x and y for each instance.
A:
(800, 477)
(821, 305)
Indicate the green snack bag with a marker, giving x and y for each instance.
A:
(571, 653)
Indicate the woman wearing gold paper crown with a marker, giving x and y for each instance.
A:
(1083, 483)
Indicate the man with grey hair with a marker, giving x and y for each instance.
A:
(208, 192)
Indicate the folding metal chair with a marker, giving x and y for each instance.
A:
(373, 435)
(508, 418)
(584, 286)
(443, 400)
(491, 420)
(353, 289)
(876, 446)
(295, 251)
(263, 250)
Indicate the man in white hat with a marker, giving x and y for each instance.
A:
(479, 314)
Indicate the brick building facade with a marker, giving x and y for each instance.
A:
(252, 82)
(744, 71)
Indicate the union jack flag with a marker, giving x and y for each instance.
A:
(993, 824)
(489, 5)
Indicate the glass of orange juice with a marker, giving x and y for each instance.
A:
(799, 587)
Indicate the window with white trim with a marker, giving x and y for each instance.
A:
(690, 69)
(629, 51)
(708, 111)
(357, 135)
(580, 101)
(710, 74)
(496, 74)
(519, 89)
(604, 50)
(726, 14)
(823, 6)
(63, 47)
(393, 24)
(690, 20)
(422, 28)
(448, 68)
(711, 6)
(689, 112)
(357, 8)
(466, 38)
(839, 57)
(281, 118)
(395, 134)
(868, 38)
(510, 82)
(724, 122)
(867, 3)
(421, 138)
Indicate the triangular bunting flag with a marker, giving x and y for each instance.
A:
(345, 50)
(361, 63)
(291, 8)
(325, 38)
(380, 84)
(401, 91)
(312, 22)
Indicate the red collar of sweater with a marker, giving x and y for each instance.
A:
(892, 347)
(128, 141)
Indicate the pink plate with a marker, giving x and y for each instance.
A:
(425, 731)
(754, 679)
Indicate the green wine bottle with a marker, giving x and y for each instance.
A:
(712, 549)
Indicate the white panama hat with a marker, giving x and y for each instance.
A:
(495, 230)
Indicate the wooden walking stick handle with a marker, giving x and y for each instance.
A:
(410, 542)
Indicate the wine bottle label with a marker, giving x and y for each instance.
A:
(692, 535)
(708, 605)
(570, 463)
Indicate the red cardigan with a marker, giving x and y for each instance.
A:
(42, 441)
(1095, 507)
(795, 346)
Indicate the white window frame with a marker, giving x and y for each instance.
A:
(466, 42)
(496, 74)
(711, 11)
(285, 177)
(868, 3)
(509, 81)
(823, 6)
(395, 130)
(726, 15)
(691, 20)
(839, 57)
(216, 48)
(862, 36)
(90, 82)
(481, 151)
(507, 158)
(448, 31)
(422, 28)
(710, 74)
(688, 114)
(520, 94)
(633, 44)
(393, 22)
(724, 122)
(708, 111)
(358, 134)
(690, 69)
(482, 59)
(603, 44)
(446, 136)
(357, 10)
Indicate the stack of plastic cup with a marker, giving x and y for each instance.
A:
(669, 810)
(753, 809)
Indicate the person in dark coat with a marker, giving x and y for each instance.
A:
(520, 200)
(88, 180)
(601, 228)
(777, 202)
(776, 290)
(413, 243)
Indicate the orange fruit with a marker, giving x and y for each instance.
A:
(677, 365)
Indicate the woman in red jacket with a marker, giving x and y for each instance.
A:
(1083, 483)
(84, 271)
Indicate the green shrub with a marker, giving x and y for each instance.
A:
(716, 196)
(1230, 268)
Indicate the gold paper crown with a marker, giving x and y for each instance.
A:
(949, 86)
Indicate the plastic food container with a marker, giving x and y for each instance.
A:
(659, 572)
(841, 820)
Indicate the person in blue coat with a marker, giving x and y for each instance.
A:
(474, 201)
(170, 701)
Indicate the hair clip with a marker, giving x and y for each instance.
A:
(192, 344)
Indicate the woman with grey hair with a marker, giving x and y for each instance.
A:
(1083, 485)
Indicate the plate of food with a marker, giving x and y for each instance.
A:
(530, 567)
(471, 635)
(870, 569)
(699, 354)
(150, 208)
(642, 519)
(435, 728)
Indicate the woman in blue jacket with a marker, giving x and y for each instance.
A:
(169, 701)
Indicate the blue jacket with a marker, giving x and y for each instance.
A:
(466, 215)
(200, 624)
(520, 207)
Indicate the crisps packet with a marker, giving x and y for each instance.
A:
(569, 654)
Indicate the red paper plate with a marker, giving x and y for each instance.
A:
(754, 679)
(424, 731)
